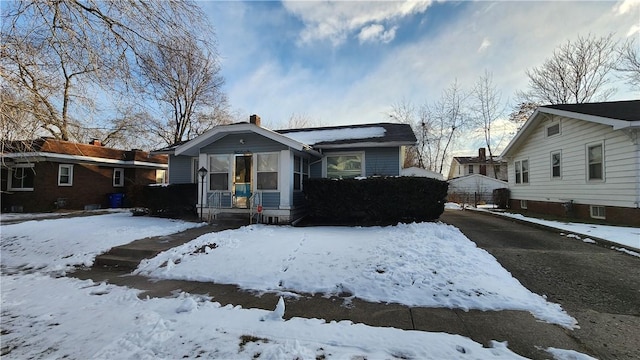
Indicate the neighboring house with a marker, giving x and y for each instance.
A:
(248, 168)
(578, 160)
(493, 167)
(47, 174)
(416, 171)
(474, 189)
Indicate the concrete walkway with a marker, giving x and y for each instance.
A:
(525, 334)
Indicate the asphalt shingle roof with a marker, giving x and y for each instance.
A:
(620, 110)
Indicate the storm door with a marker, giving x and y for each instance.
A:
(242, 181)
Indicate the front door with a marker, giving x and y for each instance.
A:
(242, 181)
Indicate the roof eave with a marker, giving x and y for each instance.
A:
(364, 144)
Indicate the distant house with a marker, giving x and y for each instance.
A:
(247, 168)
(474, 189)
(47, 174)
(493, 167)
(578, 160)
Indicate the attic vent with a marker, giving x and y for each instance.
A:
(553, 130)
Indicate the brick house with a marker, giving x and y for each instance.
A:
(47, 174)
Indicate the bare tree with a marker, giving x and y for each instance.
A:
(487, 108)
(630, 63)
(405, 113)
(444, 120)
(522, 112)
(577, 72)
(436, 126)
(61, 56)
(184, 78)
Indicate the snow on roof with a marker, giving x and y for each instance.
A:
(312, 137)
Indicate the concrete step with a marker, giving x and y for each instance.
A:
(132, 252)
(115, 261)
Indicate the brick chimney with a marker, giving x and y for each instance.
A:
(254, 119)
(482, 158)
(95, 142)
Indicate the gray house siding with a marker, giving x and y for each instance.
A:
(315, 170)
(271, 200)
(382, 161)
(180, 169)
(242, 143)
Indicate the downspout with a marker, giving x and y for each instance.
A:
(636, 141)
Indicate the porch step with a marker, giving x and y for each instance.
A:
(240, 219)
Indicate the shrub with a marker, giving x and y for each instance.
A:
(174, 200)
(376, 200)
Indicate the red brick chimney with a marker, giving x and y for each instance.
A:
(95, 142)
(482, 158)
(254, 119)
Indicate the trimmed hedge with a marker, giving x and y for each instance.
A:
(174, 200)
(376, 200)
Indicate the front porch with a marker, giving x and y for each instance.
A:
(257, 208)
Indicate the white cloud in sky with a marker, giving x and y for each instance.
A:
(627, 6)
(377, 33)
(485, 44)
(358, 89)
(337, 20)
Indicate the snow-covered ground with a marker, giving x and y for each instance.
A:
(45, 316)
(60, 244)
(426, 264)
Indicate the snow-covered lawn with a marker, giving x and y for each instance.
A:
(426, 264)
(44, 316)
(60, 244)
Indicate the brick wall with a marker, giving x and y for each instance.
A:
(614, 215)
(92, 185)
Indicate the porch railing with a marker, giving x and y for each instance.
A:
(214, 203)
(254, 201)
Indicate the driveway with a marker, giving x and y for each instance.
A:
(598, 286)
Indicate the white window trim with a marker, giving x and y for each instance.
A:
(229, 172)
(70, 167)
(255, 172)
(551, 165)
(515, 167)
(546, 130)
(586, 160)
(363, 166)
(10, 179)
(121, 171)
(524, 204)
(597, 216)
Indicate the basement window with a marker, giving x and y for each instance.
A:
(523, 204)
(597, 212)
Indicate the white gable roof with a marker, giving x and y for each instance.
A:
(192, 147)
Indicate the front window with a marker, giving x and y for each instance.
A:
(595, 162)
(267, 172)
(470, 169)
(344, 166)
(22, 178)
(118, 177)
(522, 171)
(65, 175)
(300, 172)
(556, 159)
(219, 172)
(161, 176)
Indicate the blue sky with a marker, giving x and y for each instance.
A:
(349, 62)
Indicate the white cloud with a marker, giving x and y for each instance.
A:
(376, 33)
(336, 21)
(485, 44)
(625, 6)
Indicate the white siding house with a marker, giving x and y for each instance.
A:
(578, 160)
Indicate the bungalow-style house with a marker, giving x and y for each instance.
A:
(493, 167)
(47, 174)
(578, 160)
(246, 168)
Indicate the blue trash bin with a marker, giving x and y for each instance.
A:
(115, 200)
